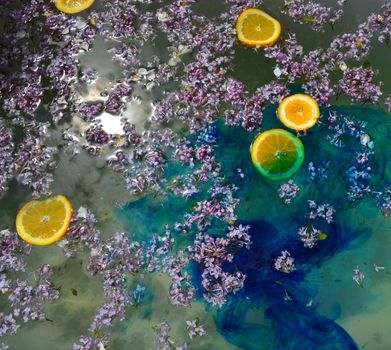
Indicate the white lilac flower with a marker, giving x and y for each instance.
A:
(285, 263)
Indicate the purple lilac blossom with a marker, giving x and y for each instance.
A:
(387, 103)
(212, 253)
(163, 340)
(316, 15)
(358, 84)
(287, 191)
(195, 328)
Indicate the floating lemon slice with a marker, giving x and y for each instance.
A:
(299, 112)
(44, 222)
(73, 6)
(277, 154)
(256, 28)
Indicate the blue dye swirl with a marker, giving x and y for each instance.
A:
(260, 316)
(291, 324)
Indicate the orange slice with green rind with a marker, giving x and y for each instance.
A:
(73, 6)
(298, 112)
(277, 154)
(44, 222)
(256, 28)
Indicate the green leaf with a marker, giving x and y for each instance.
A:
(308, 19)
(366, 64)
(225, 182)
(322, 236)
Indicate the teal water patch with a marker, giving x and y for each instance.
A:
(275, 310)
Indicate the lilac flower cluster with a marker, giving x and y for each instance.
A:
(195, 328)
(6, 159)
(317, 67)
(318, 172)
(117, 257)
(25, 300)
(90, 343)
(113, 259)
(203, 169)
(182, 291)
(288, 191)
(8, 324)
(30, 162)
(42, 57)
(359, 173)
(358, 84)
(162, 338)
(284, 262)
(81, 234)
(34, 160)
(359, 176)
(318, 16)
(293, 65)
(382, 23)
(309, 234)
(343, 129)
(12, 254)
(212, 253)
(138, 157)
(204, 83)
(322, 211)
(220, 205)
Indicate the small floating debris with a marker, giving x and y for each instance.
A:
(287, 297)
(378, 268)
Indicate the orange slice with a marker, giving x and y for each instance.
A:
(44, 222)
(73, 6)
(298, 112)
(277, 154)
(256, 28)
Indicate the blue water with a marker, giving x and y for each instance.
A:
(260, 316)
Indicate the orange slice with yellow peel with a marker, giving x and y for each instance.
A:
(277, 154)
(256, 28)
(298, 112)
(44, 222)
(73, 6)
